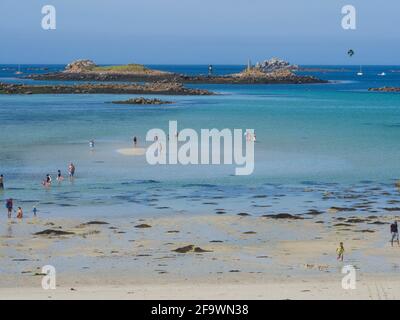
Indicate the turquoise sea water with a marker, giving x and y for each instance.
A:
(334, 137)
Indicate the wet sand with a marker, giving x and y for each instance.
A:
(226, 257)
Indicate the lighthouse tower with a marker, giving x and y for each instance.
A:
(249, 66)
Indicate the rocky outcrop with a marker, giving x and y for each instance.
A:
(80, 66)
(254, 75)
(51, 232)
(162, 88)
(274, 64)
(385, 89)
(142, 100)
(283, 216)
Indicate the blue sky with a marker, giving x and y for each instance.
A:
(199, 31)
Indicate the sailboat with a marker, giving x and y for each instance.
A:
(19, 70)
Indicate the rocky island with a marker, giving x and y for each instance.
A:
(162, 88)
(273, 71)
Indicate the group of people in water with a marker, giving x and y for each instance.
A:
(46, 183)
(71, 173)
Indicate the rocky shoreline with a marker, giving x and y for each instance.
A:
(162, 88)
(201, 79)
(385, 89)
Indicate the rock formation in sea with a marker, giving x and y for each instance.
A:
(274, 64)
(80, 66)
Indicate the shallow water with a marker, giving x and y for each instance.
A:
(311, 139)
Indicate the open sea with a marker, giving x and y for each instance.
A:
(318, 146)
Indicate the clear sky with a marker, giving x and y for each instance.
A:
(200, 31)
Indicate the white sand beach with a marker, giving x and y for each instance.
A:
(132, 151)
(229, 257)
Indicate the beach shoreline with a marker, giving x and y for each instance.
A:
(237, 257)
(371, 287)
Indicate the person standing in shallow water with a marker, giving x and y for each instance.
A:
(1, 182)
(71, 170)
(395, 233)
(59, 176)
(134, 141)
(20, 213)
(9, 206)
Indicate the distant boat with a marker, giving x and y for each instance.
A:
(360, 73)
(19, 70)
(382, 74)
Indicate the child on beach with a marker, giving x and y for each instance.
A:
(20, 214)
(340, 252)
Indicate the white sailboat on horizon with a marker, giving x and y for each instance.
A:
(19, 70)
(360, 73)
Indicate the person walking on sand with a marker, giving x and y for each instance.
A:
(1, 182)
(9, 206)
(134, 141)
(20, 214)
(34, 210)
(71, 170)
(91, 144)
(395, 233)
(340, 252)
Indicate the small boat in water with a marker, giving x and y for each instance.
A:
(19, 70)
(360, 73)
(382, 74)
